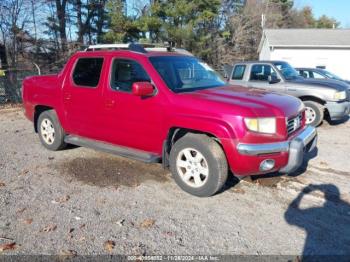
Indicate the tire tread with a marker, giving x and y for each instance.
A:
(217, 153)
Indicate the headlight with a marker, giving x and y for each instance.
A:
(261, 125)
(340, 95)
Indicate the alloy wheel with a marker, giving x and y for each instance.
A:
(192, 167)
(47, 131)
(310, 115)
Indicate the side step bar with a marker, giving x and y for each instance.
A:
(112, 149)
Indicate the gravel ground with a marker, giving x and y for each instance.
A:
(86, 202)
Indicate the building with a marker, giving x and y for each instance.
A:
(323, 48)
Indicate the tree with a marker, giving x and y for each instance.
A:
(308, 17)
(192, 24)
(327, 22)
(121, 27)
(52, 28)
(13, 20)
(61, 14)
(86, 11)
(100, 20)
(150, 22)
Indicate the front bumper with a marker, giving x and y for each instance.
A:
(305, 141)
(338, 110)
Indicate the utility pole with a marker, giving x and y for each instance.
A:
(263, 21)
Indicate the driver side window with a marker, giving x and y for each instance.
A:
(318, 76)
(125, 72)
(262, 72)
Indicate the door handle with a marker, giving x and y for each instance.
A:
(110, 103)
(67, 96)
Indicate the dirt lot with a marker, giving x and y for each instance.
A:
(85, 202)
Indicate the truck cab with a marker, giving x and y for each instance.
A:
(170, 108)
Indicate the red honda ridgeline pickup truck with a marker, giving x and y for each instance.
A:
(171, 108)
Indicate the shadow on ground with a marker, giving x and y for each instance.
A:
(337, 122)
(105, 170)
(327, 227)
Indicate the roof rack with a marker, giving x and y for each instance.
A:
(169, 49)
(140, 48)
(131, 46)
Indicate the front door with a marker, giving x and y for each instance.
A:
(130, 120)
(260, 74)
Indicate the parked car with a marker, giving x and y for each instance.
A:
(320, 97)
(318, 73)
(171, 108)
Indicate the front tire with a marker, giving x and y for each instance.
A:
(51, 134)
(198, 165)
(314, 113)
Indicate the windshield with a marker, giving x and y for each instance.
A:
(182, 73)
(287, 70)
(331, 75)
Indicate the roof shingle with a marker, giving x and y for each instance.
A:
(308, 37)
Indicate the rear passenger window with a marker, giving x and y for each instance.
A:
(126, 72)
(238, 72)
(87, 72)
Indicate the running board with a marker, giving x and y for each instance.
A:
(112, 149)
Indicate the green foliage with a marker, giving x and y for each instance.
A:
(211, 29)
(286, 4)
(121, 27)
(308, 17)
(326, 22)
(191, 24)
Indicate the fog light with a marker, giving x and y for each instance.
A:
(267, 165)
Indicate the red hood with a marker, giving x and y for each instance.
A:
(260, 102)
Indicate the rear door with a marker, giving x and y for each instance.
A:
(238, 75)
(82, 97)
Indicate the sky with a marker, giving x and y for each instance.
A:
(338, 9)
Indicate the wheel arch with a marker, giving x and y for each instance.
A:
(38, 109)
(312, 98)
(177, 132)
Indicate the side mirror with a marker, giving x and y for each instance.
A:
(273, 79)
(142, 89)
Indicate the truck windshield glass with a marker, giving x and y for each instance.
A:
(288, 72)
(182, 73)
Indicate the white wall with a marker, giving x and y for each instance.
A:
(336, 61)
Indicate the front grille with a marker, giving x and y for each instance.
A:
(294, 124)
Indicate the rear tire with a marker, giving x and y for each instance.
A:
(51, 134)
(314, 113)
(198, 165)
